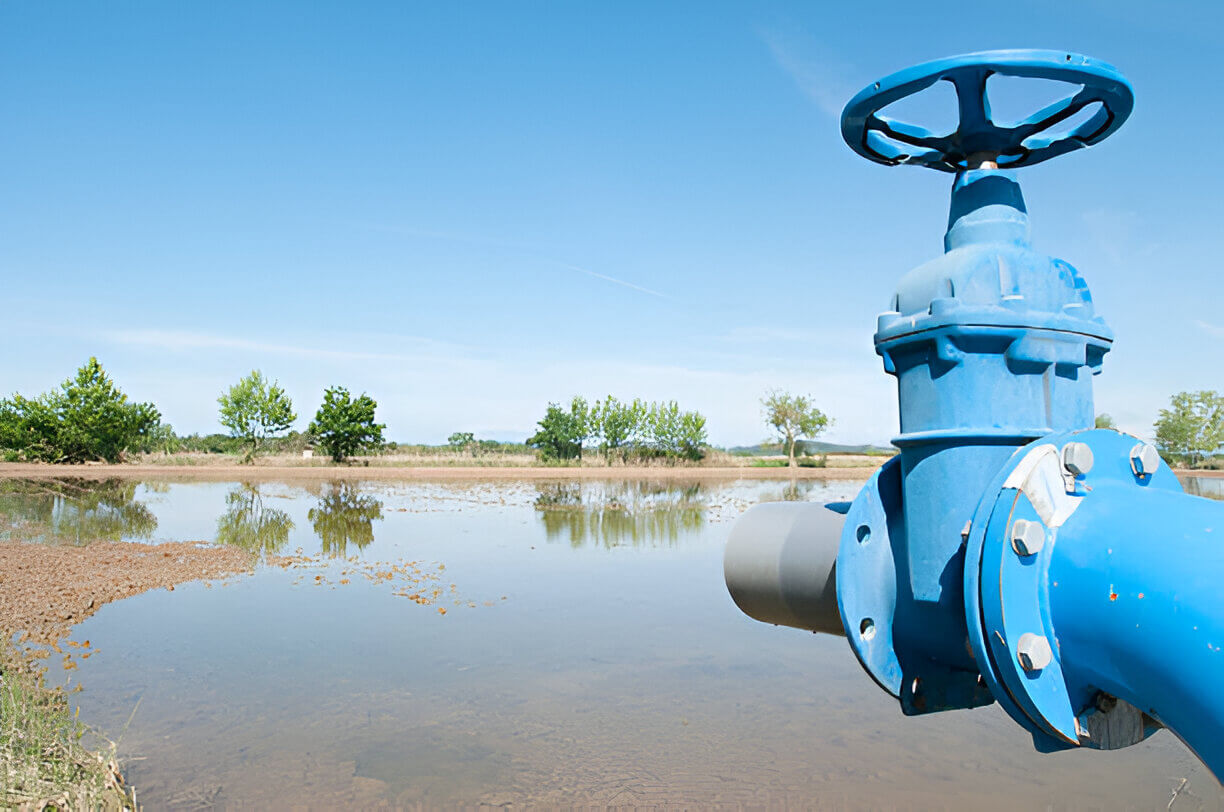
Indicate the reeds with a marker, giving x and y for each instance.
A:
(43, 762)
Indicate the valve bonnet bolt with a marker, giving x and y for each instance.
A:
(1034, 652)
(1027, 537)
(1077, 458)
(1145, 459)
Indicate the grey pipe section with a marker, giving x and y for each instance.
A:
(781, 565)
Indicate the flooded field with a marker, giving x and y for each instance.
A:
(514, 643)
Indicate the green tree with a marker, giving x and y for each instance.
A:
(691, 436)
(254, 410)
(88, 418)
(793, 417)
(1193, 425)
(30, 426)
(461, 440)
(670, 432)
(561, 433)
(1105, 421)
(663, 424)
(161, 439)
(345, 425)
(616, 423)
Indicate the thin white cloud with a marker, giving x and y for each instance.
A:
(822, 79)
(1210, 329)
(427, 388)
(616, 281)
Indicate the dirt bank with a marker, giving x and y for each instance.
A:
(230, 473)
(46, 589)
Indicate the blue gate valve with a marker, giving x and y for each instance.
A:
(1010, 552)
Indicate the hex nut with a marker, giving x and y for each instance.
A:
(1145, 459)
(1034, 652)
(1077, 458)
(1027, 537)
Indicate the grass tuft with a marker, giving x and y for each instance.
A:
(43, 762)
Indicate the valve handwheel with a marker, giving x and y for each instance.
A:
(978, 141)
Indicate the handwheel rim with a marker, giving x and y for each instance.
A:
(977, 137)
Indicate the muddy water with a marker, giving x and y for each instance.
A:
(588, 654)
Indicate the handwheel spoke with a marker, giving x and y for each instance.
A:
(908, 133)
(1055, 113)
(971, 98)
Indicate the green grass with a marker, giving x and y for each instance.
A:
(43, 763)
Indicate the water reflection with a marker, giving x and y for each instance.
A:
(796, 490)
(73, 510)
(1210, 487)
(612, 513)
(251, 524)
(344, 516)
(633, 682)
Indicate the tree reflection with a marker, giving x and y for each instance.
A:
(250, 524)
(649, 514)
(795, 490)
(344, 516)
(73, 510)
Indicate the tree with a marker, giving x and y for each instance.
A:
(793, 417)
(1105, 421)
(461, 440)
(254, 410)
(1193, 425)
(562, 433)
(673, 433)
(30, 426)
(88, 418)
(161, 439)
(691, 436)
(345, 426)
(617, 424)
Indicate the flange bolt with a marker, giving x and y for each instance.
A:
(1077, 458)
(1034, 652)
(1145, 459)
(1027, 537)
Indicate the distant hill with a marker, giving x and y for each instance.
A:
(810, 447)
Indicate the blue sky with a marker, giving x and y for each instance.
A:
(470, 209)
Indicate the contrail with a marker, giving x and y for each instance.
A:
(463, 238)
(616, 281)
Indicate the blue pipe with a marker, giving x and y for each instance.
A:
(1138, 606)
(1136, 603)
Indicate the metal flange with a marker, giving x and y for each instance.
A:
(1012, 539)
(867, 576)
